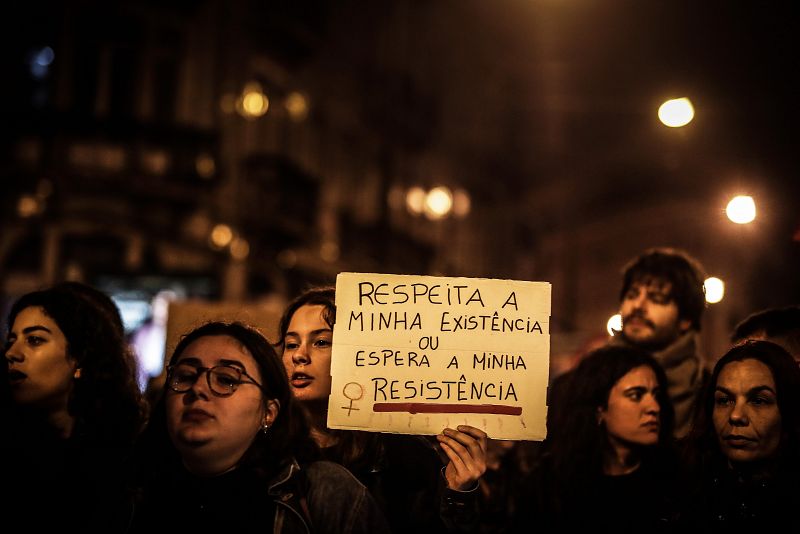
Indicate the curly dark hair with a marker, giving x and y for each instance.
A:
(703, 451)
(105, 400)
(287, 437)
(577, 443)
(684, 273)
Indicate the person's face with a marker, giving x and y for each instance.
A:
(212, 432)
(40, 371)
(307, 354)
(633, 415)
(746, 415)
(650, 316)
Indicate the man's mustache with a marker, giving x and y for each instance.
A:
(638, 315)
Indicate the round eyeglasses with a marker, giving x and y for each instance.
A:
(223, 380)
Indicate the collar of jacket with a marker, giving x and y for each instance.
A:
(288, 491)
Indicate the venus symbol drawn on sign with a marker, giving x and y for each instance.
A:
(353, 391)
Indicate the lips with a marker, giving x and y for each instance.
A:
(651, 425)
(196, 415)
(16, 377)
(737, 440)
(301, 380)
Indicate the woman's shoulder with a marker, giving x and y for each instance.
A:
(339, 501)
(321, 471)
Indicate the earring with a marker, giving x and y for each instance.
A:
(265, 428)
(77, 373)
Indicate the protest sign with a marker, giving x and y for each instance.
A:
(416, 354)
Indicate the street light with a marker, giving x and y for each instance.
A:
(715, 289)
(614, 324)
(741, 209)
(676, 112)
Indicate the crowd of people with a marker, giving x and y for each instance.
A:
(641, 434)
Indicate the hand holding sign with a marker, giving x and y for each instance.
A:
(466, 449)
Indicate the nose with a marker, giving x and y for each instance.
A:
(738, 415)
(200, 389)
(300, 355)
(652, 405)
(12, 355)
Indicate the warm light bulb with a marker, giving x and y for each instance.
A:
(614, 324)
(676, 112)
(741, 209)
(715, 289)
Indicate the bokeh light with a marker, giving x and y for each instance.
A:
(614, 324)
(676, 112)
(715, 289)
(741, 209)
(438, 202)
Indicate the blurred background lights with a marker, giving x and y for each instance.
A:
(221, 236)
(614, 324)
(438, 202)
(27, 206)
(297, 105)
(676, 112)
(253, 102)
(329, 251)
(461, 203)
(40, 61)
(240, 249)
(715, 289)
(415, 200)
(741, 209)
(205, 166)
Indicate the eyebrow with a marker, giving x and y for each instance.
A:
(750, 391)
(34, 328)
(313, 332)
(196, 361)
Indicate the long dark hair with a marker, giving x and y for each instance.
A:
(288, 436)
(703, 452)
(577, 442)
(105, 400)
(354, 449)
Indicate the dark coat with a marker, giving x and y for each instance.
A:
(321, 497)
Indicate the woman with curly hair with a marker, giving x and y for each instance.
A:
(72, 410)
(608, 464)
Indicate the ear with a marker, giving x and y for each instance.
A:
(271, 411)
(684, 325)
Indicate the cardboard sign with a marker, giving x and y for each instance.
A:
(416, 354)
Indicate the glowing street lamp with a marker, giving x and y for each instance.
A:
(676, 112)
(614, 324)
(741, 209)
(715, 289)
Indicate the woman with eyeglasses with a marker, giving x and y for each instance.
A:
(404, 473)
(227, 451)
(72, 410)
(743, 453)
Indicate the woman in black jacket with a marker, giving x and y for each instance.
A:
(608, 463)
(743, 454)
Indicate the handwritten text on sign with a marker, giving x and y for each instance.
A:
(416, 354)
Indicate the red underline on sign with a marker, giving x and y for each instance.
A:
(429, 407)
